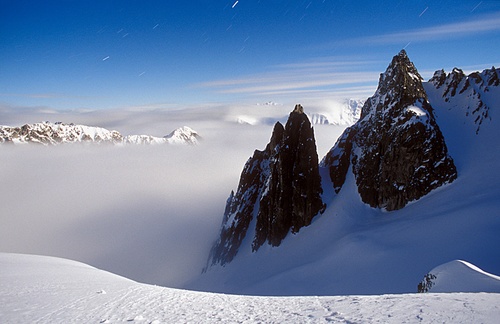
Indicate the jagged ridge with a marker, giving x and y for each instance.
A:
(468, 93)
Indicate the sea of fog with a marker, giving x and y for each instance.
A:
(149, 213)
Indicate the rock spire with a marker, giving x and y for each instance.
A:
(279, 191)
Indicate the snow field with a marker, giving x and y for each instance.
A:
(36, 289)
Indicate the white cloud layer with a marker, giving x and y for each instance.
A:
(149, 213)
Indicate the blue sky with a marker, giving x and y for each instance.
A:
(121, 54)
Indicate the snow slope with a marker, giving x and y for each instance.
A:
(52, 290)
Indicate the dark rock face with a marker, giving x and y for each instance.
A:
(396, 150)
(468, 93)
(279, 191)
(338, 160)
(426, 284)
(293, 194)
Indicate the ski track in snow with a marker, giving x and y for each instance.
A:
(38, 289)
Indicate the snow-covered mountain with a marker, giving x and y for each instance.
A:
(408, 142)
(51, 290)
(47, 133)
(183, 135)
(341, 113)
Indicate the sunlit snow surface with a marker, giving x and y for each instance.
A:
(36, 289)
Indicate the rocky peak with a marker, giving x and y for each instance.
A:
(399, 84)
(438, 78)
(279, 191)
(453, 81)
(396, 149)
(492, 77)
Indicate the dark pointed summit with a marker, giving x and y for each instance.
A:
(399, 86)
(396, 149)
(279, 191)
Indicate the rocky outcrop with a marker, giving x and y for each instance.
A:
(469, 94)
(47, 133)
(426, 284)
(279, 191)
(396, 150)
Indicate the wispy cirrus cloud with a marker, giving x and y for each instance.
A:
(354, 77)
(481, 24)
(318, 78)
(290, 81)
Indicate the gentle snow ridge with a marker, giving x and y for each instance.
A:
(462, 276)
(52, 290)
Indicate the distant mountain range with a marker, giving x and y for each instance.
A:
(47, 133)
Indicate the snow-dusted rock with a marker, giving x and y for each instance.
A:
(396, 150)
(471, 96)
